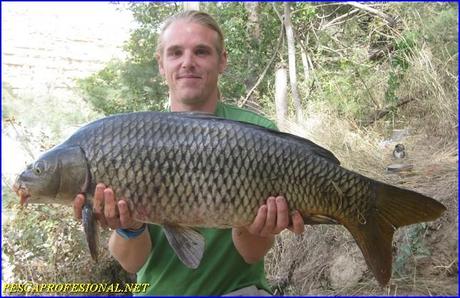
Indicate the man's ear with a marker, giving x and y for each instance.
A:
(223, 62)
(160, 64)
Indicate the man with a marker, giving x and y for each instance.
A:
(191, 56)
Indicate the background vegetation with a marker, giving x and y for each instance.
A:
(362, 74)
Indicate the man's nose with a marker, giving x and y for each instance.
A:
(189, 60)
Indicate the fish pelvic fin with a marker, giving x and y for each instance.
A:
(394, 208)
(91, 229)
(187, 243)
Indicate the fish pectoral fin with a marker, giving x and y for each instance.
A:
(91, 229)
(187, 243)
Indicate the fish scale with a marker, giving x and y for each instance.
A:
(189, 170)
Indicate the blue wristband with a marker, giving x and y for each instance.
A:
(128, 234)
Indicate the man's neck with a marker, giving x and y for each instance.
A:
(207, 107)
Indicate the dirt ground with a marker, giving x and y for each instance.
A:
(326, 261)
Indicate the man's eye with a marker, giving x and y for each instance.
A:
(201, 52)
(175, 53)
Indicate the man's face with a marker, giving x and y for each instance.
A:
(190, 63)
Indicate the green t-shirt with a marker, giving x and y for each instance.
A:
(222, 269)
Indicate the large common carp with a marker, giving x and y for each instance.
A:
(185, 170)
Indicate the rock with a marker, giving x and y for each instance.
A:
(346, 272)
(398, 167)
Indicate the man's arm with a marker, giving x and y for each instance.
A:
(254, 241)
(130, 253)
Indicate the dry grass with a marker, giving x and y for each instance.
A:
(434, 89)
(325, 260)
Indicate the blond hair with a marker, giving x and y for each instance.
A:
(193, 16)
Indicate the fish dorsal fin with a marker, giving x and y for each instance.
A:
(316, 149)
(187, 243)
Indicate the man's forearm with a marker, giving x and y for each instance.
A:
(131, 253)
(251, 247)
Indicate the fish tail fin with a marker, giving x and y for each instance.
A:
(91, 229)
(394, 208)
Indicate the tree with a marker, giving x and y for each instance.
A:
(281, 93)
(253, 32)
(292, 61)
(134, 84)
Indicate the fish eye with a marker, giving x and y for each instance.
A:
(38, 168)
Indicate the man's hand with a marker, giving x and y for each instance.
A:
(273, 217)
(254, 240)
(130, 253)
(107, 210)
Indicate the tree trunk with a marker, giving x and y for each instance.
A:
(390, 19)
(253, 20)
(306, 68)
(281, 94)
(292, 63)
(253, 29)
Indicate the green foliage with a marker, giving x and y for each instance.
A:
(125, 87)
(247, 55)
(342, 74)
(142, 44)
(353, 81)
(413, 246)
(403, 48)
(303, 13)
(135, 84)
(436, 25)
(233, 23)
(399, 62)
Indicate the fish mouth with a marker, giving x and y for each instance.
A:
(23, 194)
